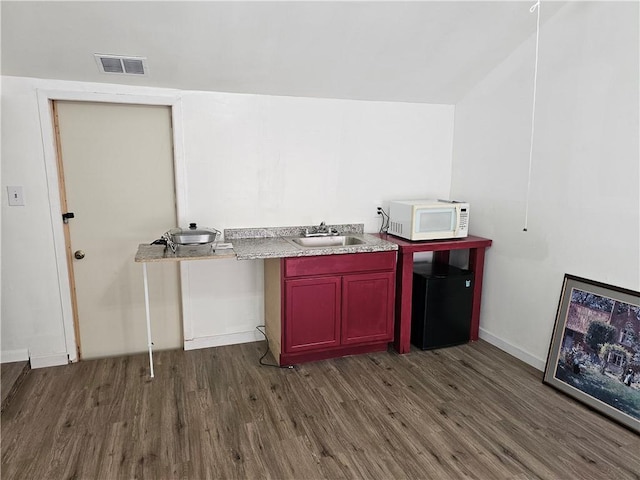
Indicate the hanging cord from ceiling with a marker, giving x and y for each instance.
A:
(534, 8)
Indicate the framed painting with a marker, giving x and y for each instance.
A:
(594, 354)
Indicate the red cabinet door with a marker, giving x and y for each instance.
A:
(312, 313)
(367, 307)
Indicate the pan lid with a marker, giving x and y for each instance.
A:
(192, 230)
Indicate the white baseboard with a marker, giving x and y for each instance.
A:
(224, 339)
(54, 360)
(8, 356)
(511, 349)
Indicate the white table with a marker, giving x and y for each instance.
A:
(159, 253)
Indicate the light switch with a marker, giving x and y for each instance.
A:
(16, 198)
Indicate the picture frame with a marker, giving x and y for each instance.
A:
(594, 355)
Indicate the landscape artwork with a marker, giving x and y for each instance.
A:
(594, 355)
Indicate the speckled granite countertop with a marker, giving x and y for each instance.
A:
(160, 253)
(278, 247)
(231, 234)
(256, 243)
(271, 242)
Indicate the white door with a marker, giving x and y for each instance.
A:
(117, 178)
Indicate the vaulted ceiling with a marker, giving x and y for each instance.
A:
(416, 51)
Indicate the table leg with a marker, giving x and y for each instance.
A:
(404, 290)
(476, 265)
(146, 306)
(441, 257)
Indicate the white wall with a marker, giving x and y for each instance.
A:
(31, 308)
(584, 205)
(248, 160)
(268, 161)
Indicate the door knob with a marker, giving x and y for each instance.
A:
(79, 254)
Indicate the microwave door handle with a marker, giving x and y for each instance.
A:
(457, 229)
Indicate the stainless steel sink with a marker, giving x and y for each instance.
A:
(323, 242)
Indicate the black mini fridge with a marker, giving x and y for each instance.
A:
(441, 305)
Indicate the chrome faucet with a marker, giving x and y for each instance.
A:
(322, 228)
(321, 231)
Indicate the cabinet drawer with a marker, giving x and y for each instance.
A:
(336, 264)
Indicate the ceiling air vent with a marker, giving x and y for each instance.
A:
(121, 65)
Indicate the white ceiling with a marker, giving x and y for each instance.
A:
(424, 51)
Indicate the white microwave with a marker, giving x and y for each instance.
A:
(428, 219)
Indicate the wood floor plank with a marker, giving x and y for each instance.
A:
(12, 374)
(470, 411)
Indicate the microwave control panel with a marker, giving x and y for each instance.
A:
(464, 219)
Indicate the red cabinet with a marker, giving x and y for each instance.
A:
(312, 313)
(330, 305)
(367, 308)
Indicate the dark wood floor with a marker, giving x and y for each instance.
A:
(12, 375)
(463, 412)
